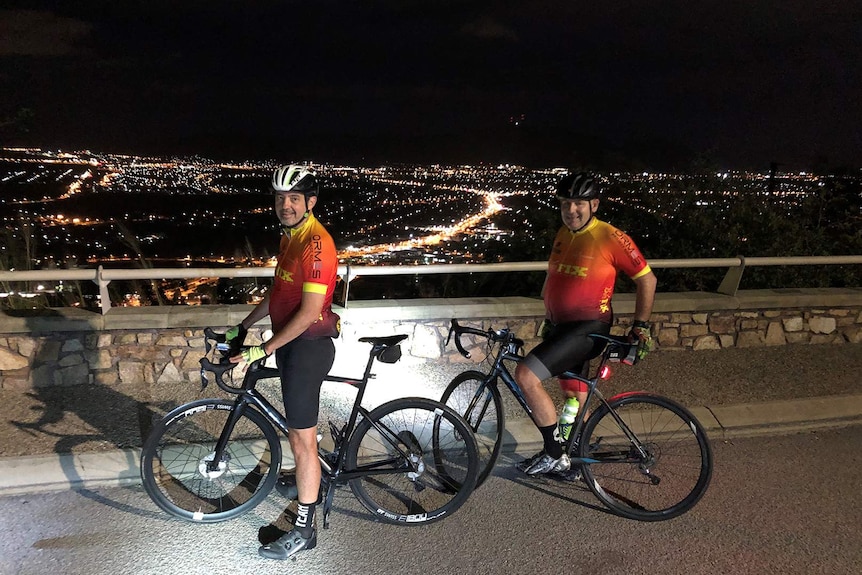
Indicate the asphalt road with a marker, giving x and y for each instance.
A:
(788, 504)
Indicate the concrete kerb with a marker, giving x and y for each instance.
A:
(785, 416)
(740, 420)
(34, 474)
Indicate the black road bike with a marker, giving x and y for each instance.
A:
(644, 456)
(409, 461)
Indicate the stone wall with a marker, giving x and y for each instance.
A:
(681, 331)
(164, 345)
(718, 330)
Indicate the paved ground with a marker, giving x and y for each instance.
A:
(56, 437)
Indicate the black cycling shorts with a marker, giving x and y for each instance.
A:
(302, 364)
(566, 348)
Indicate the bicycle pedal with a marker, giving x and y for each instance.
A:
(569, 476)
(286, 487)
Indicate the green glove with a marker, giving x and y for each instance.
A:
(237, 331)
(254, 353)
(641, 333)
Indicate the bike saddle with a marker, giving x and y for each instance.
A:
(385, 341)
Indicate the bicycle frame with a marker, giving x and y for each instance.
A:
(332, 469)
(638, 433)
(593, 392)
(509, 349)
(499, 370)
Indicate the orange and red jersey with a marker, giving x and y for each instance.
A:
(582, 271)
(307, 262)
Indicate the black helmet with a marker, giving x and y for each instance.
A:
(293, 178)
(578, 186)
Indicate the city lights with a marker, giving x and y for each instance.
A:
(83, 209)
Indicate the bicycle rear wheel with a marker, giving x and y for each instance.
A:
(481, 407)
(665, 481)
(175, 462)
(418, 461)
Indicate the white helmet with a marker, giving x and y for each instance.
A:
(294, 178)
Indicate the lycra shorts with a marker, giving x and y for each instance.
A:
(303, 363)
(567, 347)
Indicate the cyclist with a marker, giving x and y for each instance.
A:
(303, 323)
(582, 269)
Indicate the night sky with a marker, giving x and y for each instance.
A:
(609, 85)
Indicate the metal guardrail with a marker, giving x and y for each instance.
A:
(102, 277)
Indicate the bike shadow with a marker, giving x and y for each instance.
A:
(550, 485)
(92, 432)
(287, 519)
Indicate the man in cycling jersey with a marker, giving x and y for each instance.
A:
(582, 270)
(303, 325)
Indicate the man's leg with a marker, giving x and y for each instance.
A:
(303, 536)
(303, 365)
(544, 411)
(303, 443)
(551, 458)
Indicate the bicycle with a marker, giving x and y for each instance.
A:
(644, 456)
(409, 461)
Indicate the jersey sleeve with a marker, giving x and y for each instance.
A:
(627, 256)
(319, 263)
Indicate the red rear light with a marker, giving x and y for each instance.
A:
(605, 373)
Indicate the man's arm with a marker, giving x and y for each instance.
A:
(645, 297)
(259, 312)
(309, 311)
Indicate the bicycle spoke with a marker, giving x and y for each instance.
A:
(178, 471)
(481, 407)
(435, 461)
(660, 476)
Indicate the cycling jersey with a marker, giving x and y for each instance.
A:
(307, 262)
(582, 271)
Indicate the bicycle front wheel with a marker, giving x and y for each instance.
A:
(661, 474)
(178, 469)
(481, 407)
(417, 461)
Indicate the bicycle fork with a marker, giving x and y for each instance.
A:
(481, 392)
(217, 465)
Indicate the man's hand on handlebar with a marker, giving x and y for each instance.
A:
(641, 334)
(249, 354)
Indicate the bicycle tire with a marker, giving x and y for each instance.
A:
(483, 414)
(679, 461)
(440, 445)
(174, 457)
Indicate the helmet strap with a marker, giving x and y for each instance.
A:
(590, 219)
(304, 217)
(300, 222)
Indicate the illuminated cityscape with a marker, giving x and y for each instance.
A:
(83, 209)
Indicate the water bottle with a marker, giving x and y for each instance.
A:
(567, 418)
